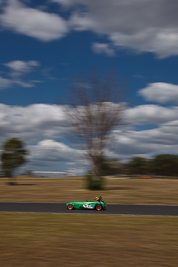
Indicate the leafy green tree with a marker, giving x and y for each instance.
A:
(111, 166)
(13, 156)
(138, 165)
(165, 164)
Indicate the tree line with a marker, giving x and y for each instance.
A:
(160, 165)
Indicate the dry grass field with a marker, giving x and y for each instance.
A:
(126, 191)
(83, 241)
(42, 240)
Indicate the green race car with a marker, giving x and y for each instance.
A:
(98, 204)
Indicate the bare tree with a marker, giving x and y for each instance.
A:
(94, 109)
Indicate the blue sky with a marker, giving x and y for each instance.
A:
(44, 44)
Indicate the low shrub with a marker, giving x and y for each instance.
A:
(94, 183)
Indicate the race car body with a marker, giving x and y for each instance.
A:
(91, 205)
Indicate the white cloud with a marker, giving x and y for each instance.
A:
(162, 43)
(139, 25)
(41, 121)
(4, 83)
(150, 114)
(52, 151)
(145, 26)
(20, 66)
(160, 92)
(8, 83)
(81, 22)
(51, 155)
(23, 84)
(32, 123)
(146, 143)
(68, 3)
(100, 48)
(43, 128)
(33, 22)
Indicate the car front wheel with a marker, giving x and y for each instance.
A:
(70, 207)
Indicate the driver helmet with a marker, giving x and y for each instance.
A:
(97, 198)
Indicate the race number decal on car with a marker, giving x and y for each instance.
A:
(88, 206)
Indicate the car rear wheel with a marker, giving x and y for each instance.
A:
(70, 207)
(98, 207)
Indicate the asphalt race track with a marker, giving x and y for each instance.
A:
(113, 209)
